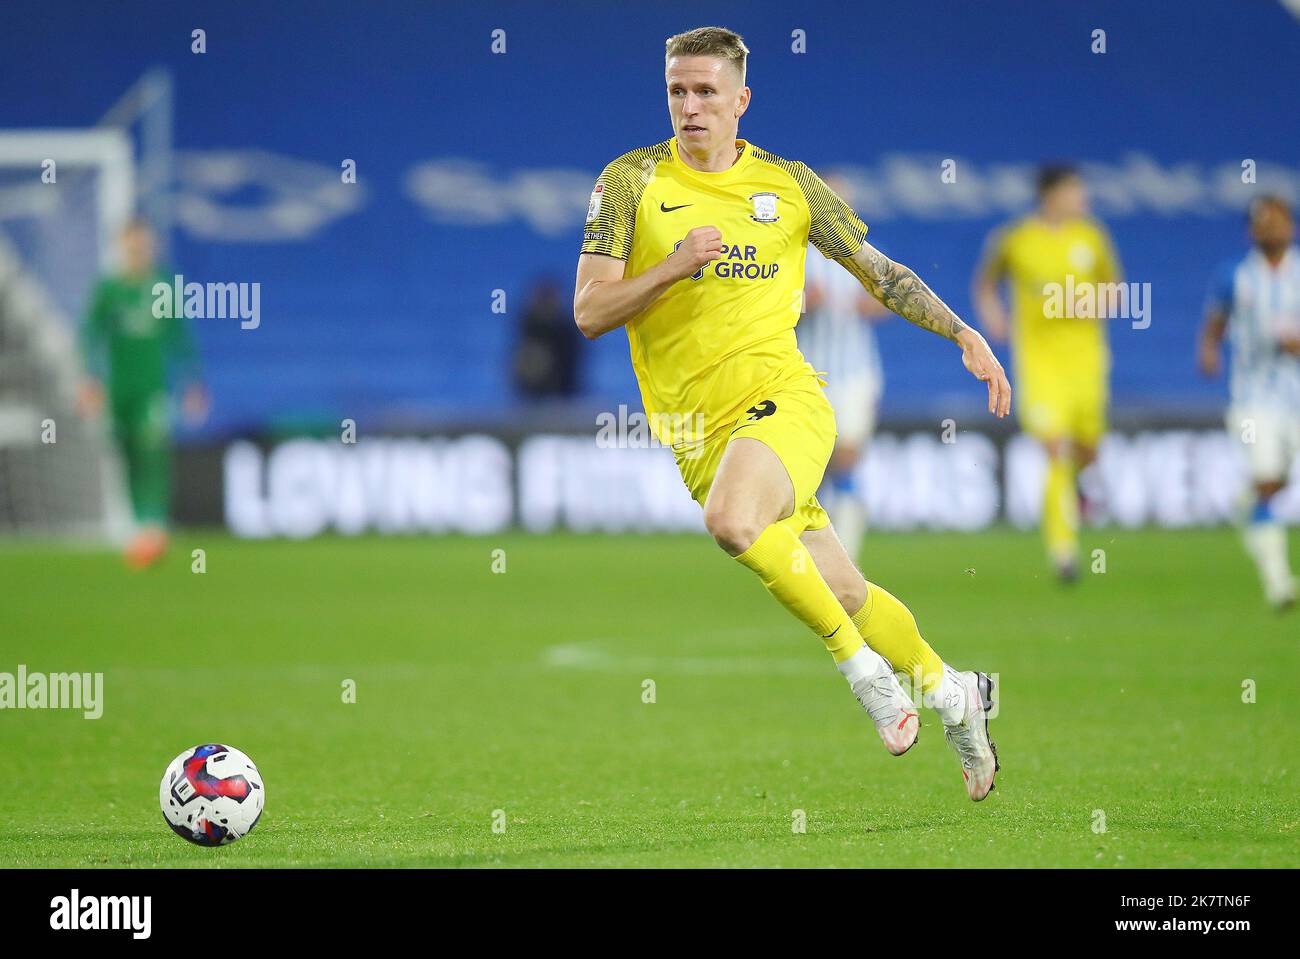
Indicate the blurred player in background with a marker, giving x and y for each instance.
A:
(547, 353)
(1256, 300)
(1061, 363)
(129, 353)
(836, 337)
(696, 245)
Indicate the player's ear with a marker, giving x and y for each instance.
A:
(743, 104)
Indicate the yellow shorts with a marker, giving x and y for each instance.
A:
(796, 421)
(1059, 404)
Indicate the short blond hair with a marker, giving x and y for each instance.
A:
(709, 42)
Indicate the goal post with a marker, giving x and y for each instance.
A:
(64, 197)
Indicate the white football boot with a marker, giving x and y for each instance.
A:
(970, 738)
(889, 707)
(1281, 591)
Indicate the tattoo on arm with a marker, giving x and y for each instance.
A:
(902, 291)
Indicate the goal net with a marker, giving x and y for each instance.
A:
(64, 195)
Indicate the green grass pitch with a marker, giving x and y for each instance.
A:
(522, 692)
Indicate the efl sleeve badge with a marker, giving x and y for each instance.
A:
(593, 207)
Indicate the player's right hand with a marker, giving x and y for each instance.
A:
(701, 247)
(90, 398)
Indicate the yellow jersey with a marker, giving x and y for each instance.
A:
(708, 345)
(1049, 270)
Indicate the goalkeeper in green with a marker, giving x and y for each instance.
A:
(129, 353)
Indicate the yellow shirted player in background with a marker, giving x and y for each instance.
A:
(1054, 261)
(696, 246)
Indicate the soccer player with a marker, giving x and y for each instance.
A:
(1256, 300)
(696, 245)
(1061, 358)
(835, 336)
(129, 347)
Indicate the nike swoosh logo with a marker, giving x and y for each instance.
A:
(836, 630)
(669, 209)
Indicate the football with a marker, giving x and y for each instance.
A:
(212, 795)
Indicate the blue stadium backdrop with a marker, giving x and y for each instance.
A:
(473, 170)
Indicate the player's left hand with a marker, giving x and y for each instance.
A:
(977, 356)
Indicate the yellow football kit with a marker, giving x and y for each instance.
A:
(718, 349)
(1060, 357)
(1059, 353)
(716, 359)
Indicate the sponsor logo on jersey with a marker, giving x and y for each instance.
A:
(742, 263)
(737, 263)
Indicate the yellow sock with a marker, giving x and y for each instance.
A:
(787, 569)
(889, 627)
(1061, 510)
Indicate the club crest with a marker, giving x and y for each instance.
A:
(764, 207)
